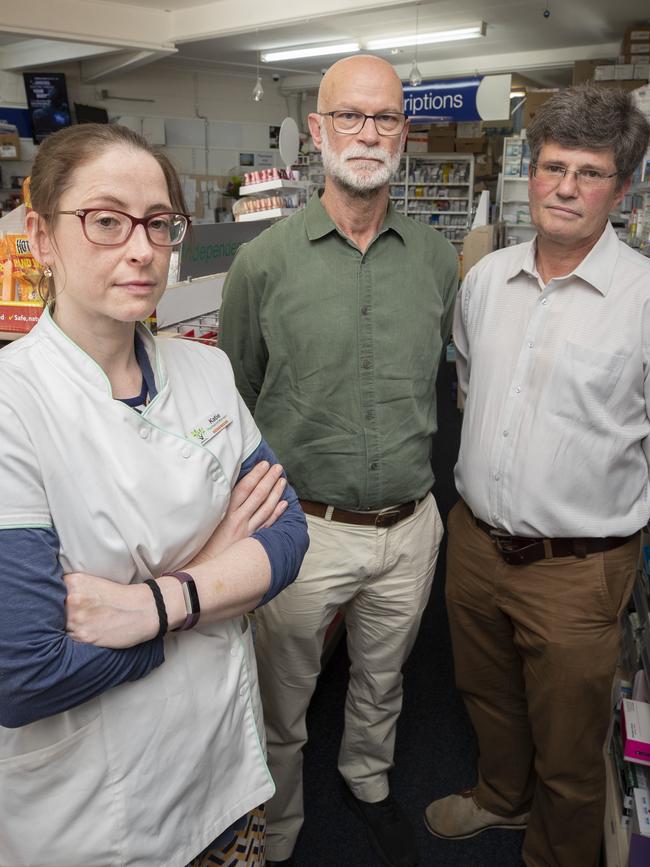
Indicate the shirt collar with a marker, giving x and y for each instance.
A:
(318, 222)
(597, 268)
(81, 367)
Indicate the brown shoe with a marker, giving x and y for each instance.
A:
(458, 816)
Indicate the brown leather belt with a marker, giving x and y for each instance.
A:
(520, 550)
(385, 518)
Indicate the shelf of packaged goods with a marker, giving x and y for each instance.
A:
(267, 186)
(268, 214)
(515, 178)
(10, 335)
(519, 225)
(437, 198)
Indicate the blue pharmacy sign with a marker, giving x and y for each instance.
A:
(485, 97)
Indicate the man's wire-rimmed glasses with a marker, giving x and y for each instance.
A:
(553, 174)
(352, 122)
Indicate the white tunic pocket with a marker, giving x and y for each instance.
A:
(583, 381)
(63, 778)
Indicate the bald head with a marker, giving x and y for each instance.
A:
(357, 78)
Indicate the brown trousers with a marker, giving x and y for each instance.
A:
(535, 651)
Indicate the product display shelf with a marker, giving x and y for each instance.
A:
(268, 214)
(512, 191)
(268, 186)
(437, 189)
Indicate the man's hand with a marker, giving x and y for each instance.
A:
(255, 503)
(108, 614)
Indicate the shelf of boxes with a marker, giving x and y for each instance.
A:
(512, 193)
(627, 814)
(436, 189)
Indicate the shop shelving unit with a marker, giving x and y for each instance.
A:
(512, 192)
(437, 189)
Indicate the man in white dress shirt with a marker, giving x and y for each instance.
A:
(553, 342)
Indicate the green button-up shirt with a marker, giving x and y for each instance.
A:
(336, 352)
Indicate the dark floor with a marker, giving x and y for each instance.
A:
(436, 749)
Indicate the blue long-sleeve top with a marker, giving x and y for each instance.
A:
(42, 670)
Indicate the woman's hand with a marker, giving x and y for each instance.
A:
(255, 502)
(108, 614)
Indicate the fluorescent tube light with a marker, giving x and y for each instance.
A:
(310, 51)
(472, 32)
(517, 94)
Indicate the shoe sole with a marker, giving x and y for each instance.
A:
(348, 798)
(521, 827)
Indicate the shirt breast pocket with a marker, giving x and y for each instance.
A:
(583, 382)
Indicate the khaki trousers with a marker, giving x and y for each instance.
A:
(535, 651)
(381, 580)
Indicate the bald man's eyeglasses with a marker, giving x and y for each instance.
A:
(352, 122)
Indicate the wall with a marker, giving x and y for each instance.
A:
(237, 123)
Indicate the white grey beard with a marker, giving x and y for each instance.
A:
(358, 182)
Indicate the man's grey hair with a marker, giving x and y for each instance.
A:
(593, 118)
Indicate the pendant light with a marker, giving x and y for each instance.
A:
(415, 76)
(258, 90)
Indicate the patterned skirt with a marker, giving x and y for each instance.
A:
(246, 849)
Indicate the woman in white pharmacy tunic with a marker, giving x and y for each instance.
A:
(130, 724)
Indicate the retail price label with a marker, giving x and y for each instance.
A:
(205, 430)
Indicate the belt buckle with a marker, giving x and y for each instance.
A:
(387, 518)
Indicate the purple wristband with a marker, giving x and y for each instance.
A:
(191, 596)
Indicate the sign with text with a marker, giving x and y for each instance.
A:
(480, 98)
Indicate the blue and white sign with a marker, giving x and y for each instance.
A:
(482, 98)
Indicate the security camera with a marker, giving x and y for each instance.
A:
(275, 76)
(323, 71)
(547, 13)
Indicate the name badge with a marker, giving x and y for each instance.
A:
(209, 428)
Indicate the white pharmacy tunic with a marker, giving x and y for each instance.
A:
(150, 772)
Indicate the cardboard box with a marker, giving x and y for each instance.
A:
(469, 129)
(417, 143)
(483, 166)
(633, 48)
(583, 70)
(478, 243)
(9, 146)
(624, 71)
(535, 99)
(471, 145)
(438, 145)
(642, 70)
(637, 33)
(622, 85)
(442, 130)
(605, 73)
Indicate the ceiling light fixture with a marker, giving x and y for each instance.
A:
(258, 90)
(472, 32)
(310, 51)
(517, 94)
(415, 76)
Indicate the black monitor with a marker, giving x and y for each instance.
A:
(90, 113)
(47, 99)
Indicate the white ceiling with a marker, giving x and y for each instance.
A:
(113, 36)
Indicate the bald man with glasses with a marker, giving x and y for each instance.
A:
(553, 342)
(335, 320)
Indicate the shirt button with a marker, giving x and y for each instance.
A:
(233, 650)
(544, 301)
(506, 433)
(496, 477)
(530, 344)
(215, 475)
(374, 465)
(365, 309)
(186, 452)
(370, 415)
(518, 389)
(144, 433)
(366, 363)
